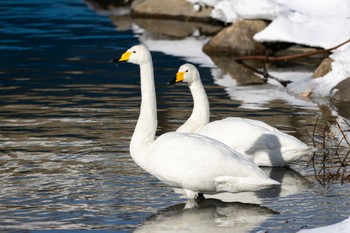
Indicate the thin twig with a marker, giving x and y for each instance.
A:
(290, 57)
(343, 133)
(264, 73)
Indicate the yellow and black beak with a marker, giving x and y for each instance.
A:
(179, 78)
(125, 57)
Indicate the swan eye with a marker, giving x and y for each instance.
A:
(186, 71)
(134, 51)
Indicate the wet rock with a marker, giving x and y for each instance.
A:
(237, 39)
(341, 92)
(340, 97)
(177, 29)
(324, 68)
(170, 9)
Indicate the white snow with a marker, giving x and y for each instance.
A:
(323, 86)
(317, 23)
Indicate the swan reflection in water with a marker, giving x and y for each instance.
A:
(208, 215)
(292, 182)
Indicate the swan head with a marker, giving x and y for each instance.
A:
(137, 54)
(187, 73)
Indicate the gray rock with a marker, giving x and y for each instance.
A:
(341, 92)
(170, 9)
(237, 39)
(340, 98)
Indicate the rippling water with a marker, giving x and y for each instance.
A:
(66, 118)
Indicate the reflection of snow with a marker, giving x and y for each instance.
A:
(256, 96)
(190, 48)
(341, 227)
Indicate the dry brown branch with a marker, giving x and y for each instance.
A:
(290, 57)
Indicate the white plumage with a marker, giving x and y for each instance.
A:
(264, 144)
(193, 162)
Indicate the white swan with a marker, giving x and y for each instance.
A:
(193, 162)
(264, 144)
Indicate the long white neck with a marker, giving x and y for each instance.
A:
(146, 126)
(201, 111)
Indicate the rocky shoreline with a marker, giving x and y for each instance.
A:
(179, 19)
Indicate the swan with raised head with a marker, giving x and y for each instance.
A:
(264, 144)
(195, 163)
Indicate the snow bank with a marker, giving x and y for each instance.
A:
(318, 23)
(323, 86)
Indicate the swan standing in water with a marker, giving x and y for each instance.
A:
(264, 144)
(195, 163)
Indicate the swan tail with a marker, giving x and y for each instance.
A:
(295, 154)
(242, 184)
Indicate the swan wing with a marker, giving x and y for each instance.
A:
(266, 145)
(196, 163)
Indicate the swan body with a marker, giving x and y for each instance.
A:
(193, 162)
(264, 144)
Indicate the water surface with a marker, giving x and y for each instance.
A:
(67, 115)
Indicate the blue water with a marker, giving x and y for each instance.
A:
(66, 118)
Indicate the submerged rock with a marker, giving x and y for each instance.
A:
(107, 5)
(242, 75)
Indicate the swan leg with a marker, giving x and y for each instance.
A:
(192, 203)
(190, 194)
(200, 197)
